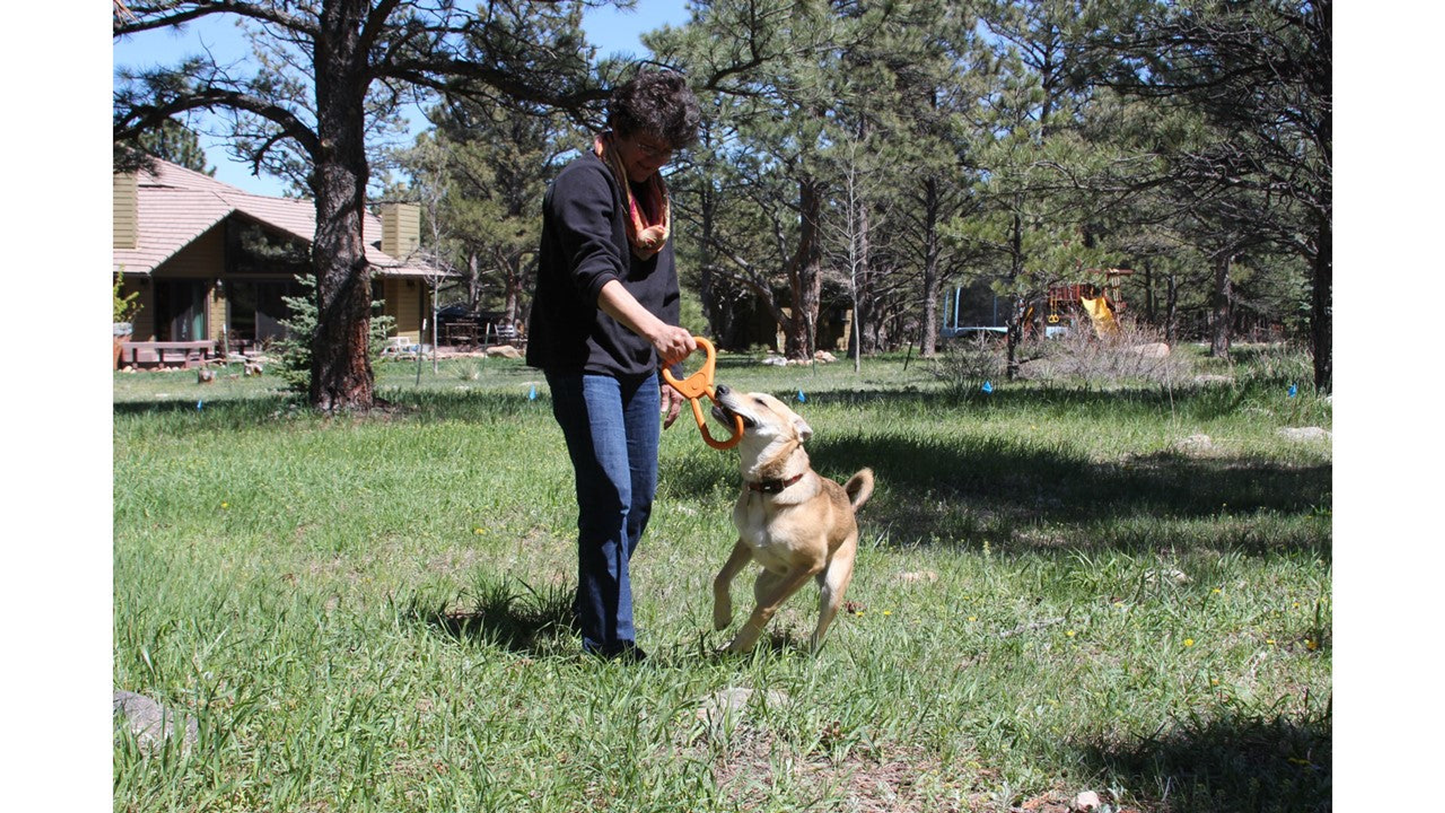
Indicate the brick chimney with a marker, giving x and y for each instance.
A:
(124, 219)
(400, 228)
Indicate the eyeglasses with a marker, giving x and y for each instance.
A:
(650, 149)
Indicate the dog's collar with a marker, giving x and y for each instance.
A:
(773, 486)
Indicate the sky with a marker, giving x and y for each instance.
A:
(611, 30)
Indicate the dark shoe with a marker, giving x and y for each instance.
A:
(626, 652)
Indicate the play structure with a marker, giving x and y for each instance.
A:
(1099, 303)
(976, 310)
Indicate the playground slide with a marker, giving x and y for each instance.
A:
(1100, 314)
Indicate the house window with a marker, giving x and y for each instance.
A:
(180, 310)
(257, 308)
(261, 268)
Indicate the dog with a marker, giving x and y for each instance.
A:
(791, 520)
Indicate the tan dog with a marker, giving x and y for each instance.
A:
(791, 520)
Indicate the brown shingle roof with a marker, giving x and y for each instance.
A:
(176, 205)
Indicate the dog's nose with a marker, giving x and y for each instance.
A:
(721, 389)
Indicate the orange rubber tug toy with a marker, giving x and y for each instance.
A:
(699, 384)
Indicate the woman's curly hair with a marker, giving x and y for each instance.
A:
(658, 104)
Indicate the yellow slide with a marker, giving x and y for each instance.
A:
(1101, 315)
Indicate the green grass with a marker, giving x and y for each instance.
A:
(369, 613)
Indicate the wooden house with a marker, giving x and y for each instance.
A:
(212, 262)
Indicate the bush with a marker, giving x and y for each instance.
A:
(294, 351)
(1131, 353)
(966, 364)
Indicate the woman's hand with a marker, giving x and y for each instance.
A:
(672, 343)
(672, 402)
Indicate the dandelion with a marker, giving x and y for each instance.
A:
(225, 506)
(1070, 633)
(888, 612)
(1311, 644)
(1217, 591)
(1269, 641)
(973, 618)
(1189, 642)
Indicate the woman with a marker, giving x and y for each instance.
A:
(603, 320)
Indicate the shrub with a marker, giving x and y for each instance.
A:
(966, 364)
(1131, 353)
(294, 350)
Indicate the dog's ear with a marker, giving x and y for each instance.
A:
(804, 430)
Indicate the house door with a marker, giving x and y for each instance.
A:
(180, 310)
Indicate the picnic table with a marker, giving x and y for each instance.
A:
(187, 354)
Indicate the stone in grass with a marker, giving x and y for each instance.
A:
(1087, 801)
(1194, 444)
(1303, 433)
(732, 703)
(149, 722)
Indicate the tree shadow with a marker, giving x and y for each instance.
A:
(1228, 765)
(991, 488)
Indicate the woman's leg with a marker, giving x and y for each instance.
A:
(642, 406)
(591, 411)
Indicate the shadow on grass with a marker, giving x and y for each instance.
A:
(996, 489)
(1230, 765)
(509, 615)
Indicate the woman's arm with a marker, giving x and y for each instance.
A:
(672, 343)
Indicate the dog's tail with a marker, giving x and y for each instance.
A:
(859, 487)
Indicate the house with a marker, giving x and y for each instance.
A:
(212, 262)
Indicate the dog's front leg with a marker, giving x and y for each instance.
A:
(770, 598)
(722, 600)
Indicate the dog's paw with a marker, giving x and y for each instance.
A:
(722, 616)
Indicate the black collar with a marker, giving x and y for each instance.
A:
(773, 486)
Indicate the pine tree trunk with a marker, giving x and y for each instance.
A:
(929, 343)
(807, 277)
(1171, 307)
(1322, 310)
(341, 375)
(1223, 314)
(1020, 303)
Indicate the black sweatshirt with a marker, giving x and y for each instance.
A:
(584, 245)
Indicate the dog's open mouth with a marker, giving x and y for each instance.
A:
(725, 416)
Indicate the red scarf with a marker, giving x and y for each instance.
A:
(646, 234)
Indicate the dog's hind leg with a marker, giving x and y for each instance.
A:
(833, 583)
(772, 590)
(722, 600)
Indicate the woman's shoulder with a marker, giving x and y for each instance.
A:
(585, 169)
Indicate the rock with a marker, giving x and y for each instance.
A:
(1304, 433)
(252, 368)
(731, 704)
(775, 361)
(505, 351)
(1213, 379)
(204, 376)
(149, 722)
(1155, 350)
(1176, 576)
(1086, 801)
(1194, 443)
(919, 576)
(824, 356)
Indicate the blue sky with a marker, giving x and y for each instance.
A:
(611, 30)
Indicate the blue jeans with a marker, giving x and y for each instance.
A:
(612, 429)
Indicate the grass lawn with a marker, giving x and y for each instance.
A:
(1055, 593)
